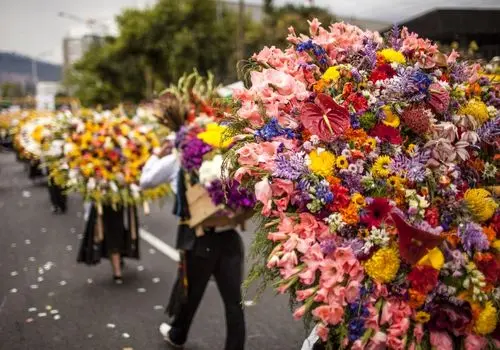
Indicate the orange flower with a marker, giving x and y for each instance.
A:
(333, 180)
(477, 164)
(417, 299)
(473, 89)
(452, 238)
(357, 135)
(490, 233)
(320, 86)
(350, 214)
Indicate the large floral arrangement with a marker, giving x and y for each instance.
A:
(30, 133)
(188, 108)
(103, 157)
(374, 162)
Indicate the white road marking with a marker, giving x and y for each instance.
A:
(161, 246)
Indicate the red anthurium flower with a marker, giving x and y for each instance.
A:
(413, 242)
(325, 117)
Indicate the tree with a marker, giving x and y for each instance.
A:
(155, 47)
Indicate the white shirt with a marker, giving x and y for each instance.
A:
(158, 171)
(311, 340)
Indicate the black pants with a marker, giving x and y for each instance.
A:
(221, 255)
(57, 196)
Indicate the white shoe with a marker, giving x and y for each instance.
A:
(164, 329)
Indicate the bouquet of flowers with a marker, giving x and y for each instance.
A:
(30, 133)
(374, 161)
(201, 147)
(188, 108)
(103, 158)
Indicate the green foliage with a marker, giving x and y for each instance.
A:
(157, 45)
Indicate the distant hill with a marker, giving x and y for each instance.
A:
(17, 68)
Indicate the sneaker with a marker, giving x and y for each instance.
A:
(165, 332)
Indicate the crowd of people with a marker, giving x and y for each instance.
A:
(371, 162)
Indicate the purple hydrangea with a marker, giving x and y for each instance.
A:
(473, 237)
(192, 154)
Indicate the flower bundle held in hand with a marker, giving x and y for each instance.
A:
(103, 158)
(374, 161)
(201, 148)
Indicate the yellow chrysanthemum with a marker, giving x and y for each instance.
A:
(434, 258)
(322, 163)
(213, 135)
(480, 203)
(477, 109)
(332, 74)
(496, 244)
(391, 118)
(394, 181)
(383, 265)
(341, 162)
(487, 320)
(391, 55)
(422, 317)
(358, 199)
(381, 167)
(372, 142)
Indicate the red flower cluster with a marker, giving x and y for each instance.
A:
(386, 133)
(432, 216)
(423, 278)
(489, 265)
(358, 101)
(341, 197)
(382, 72)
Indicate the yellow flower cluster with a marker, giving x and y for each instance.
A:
(322, 163)
(214, 136)
(391, 118)
(383, 265)
(477, 109)
(332, 74)
(480, 203)
(487, 320)
(391, 55)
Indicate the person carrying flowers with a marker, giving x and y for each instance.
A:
(208, 243)
(103, 157)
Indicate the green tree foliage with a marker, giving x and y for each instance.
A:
(157, 45)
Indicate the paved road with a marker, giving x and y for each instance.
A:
(47, 301)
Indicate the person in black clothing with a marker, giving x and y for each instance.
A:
(112, 234)
(58, 198)
(219, 253)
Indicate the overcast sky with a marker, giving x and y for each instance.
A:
(32, 27)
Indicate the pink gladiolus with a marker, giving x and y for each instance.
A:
(452, 57)
(331, 273)
(314, 26)
(418, 332)
(352, 291)
(441, 341)
(395, 343)
(475, 342)
(378, 341)
(299, 312)
(322, 331)
(263, 194)
(282, 187)
(329, 314)
(305, 293)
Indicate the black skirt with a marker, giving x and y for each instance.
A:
(118, 235)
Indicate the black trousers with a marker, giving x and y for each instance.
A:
(57, 196)
(221, 255)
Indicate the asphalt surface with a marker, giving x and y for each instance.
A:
(48, 301)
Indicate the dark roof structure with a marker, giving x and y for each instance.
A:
(462, 26)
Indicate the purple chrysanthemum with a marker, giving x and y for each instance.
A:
(473, 237)
(291, 168)
(352, 181)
